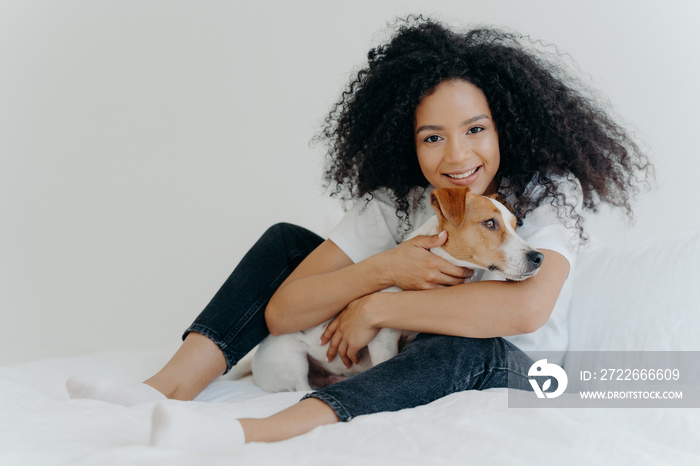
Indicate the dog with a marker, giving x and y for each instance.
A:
(481, 236)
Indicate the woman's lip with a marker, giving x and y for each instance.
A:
(462, 171)
(463, 181)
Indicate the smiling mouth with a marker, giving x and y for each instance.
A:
(462, 175)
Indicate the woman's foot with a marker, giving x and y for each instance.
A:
(111, 391)
(181, 427)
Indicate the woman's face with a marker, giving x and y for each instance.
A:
(456, 138)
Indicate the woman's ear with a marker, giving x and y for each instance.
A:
(450, 203)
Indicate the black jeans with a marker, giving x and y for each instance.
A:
(430, 367)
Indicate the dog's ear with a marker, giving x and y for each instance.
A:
(450, 203)
(503, 201)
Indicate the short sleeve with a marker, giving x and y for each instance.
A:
(551, 227)
(367, 229)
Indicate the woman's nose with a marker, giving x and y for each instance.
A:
(457, 151)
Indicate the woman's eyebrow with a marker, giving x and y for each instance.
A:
(440, 128)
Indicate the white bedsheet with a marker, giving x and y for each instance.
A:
(40, 425)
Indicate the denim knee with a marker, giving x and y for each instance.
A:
(235, 317)
(468, 363)
(430, 367)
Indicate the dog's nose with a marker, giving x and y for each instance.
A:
(535, 258)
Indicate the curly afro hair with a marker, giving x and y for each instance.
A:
(547, 125)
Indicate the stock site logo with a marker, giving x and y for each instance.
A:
(543, 369)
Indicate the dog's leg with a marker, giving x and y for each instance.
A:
(281, 365)
(320, 377)
(384, 346)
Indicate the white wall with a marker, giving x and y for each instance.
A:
(144, 146)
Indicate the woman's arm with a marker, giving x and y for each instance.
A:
(328, 280)
(305, 290)
(479, 310)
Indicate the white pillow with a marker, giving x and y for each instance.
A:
(640, 297)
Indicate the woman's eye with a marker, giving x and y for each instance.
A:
(490, 224)
(475, 130)
(433, 138)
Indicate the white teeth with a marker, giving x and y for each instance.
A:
(463, 175)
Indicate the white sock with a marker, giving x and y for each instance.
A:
(177, 426)
(111, 391)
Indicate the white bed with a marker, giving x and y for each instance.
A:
(641, 297)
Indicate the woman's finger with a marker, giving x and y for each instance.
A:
(333, 347)
(451, 281)
(329, 332)
(456, 271)
(352, 355)
(343, 353)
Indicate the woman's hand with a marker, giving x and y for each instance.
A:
(413, 267)
(352, 329)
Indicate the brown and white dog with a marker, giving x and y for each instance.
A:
(481, 236)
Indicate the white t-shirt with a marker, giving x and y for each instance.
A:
(370, 228)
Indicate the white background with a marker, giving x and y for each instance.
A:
(145, 146)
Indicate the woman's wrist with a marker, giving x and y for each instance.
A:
(380, 271)
(380, 308)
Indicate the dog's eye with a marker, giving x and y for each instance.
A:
(490, 224)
